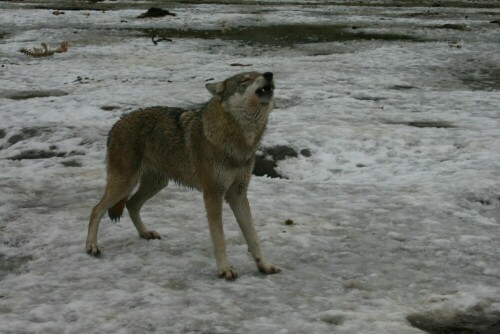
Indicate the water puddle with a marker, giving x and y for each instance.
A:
(286, 35)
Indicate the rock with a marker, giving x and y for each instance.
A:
(306, 152)
(155, 12)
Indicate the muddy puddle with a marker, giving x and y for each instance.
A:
(285, 35)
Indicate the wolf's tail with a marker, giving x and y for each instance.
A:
(116, 211)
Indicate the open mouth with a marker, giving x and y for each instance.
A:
(265, 91)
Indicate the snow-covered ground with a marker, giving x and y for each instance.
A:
(396, 212)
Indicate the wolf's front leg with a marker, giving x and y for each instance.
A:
(241, 209)
(213, 205)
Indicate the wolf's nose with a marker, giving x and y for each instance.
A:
(268, 76)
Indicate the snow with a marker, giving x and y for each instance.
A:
(389, 219)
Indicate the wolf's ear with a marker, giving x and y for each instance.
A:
(215, 88)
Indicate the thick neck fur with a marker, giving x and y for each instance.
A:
(252, 120)
(237, 132)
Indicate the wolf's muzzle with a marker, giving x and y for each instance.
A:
(268, 88)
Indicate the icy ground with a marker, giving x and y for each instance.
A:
(396, 212)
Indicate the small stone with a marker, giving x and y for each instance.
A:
(306, 152)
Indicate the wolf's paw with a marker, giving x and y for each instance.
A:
(93, 249)
(267, 268)
(228, 273)
(150, 235)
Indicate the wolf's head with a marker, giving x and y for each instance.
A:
(247, 96)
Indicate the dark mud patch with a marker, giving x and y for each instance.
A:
(32, 94)
(450, 26)
(363, 3)
(485, 199)
(266, 167)
(27, 133)
(2, 133)
(90, 5)
(481, 78)
(402, 87)
(266, 160)
(41, 154)
(475, 322)
(333, 319)
(113, 5)
(109, 108)
(37, 154)
(286, 35)
(12, 264)
(431, 124)
(427, 14)
(362, 97)
(71, 163)
(155, 12)
(280, 152)
(425, 124)
(420, 3)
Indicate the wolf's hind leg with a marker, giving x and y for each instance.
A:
(151, 184)
(117, 188)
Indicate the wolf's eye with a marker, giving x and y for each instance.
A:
(245, 81)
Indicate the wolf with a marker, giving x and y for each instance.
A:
(211, 149)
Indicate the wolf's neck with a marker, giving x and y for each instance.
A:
(241, 133)
(251, 120)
